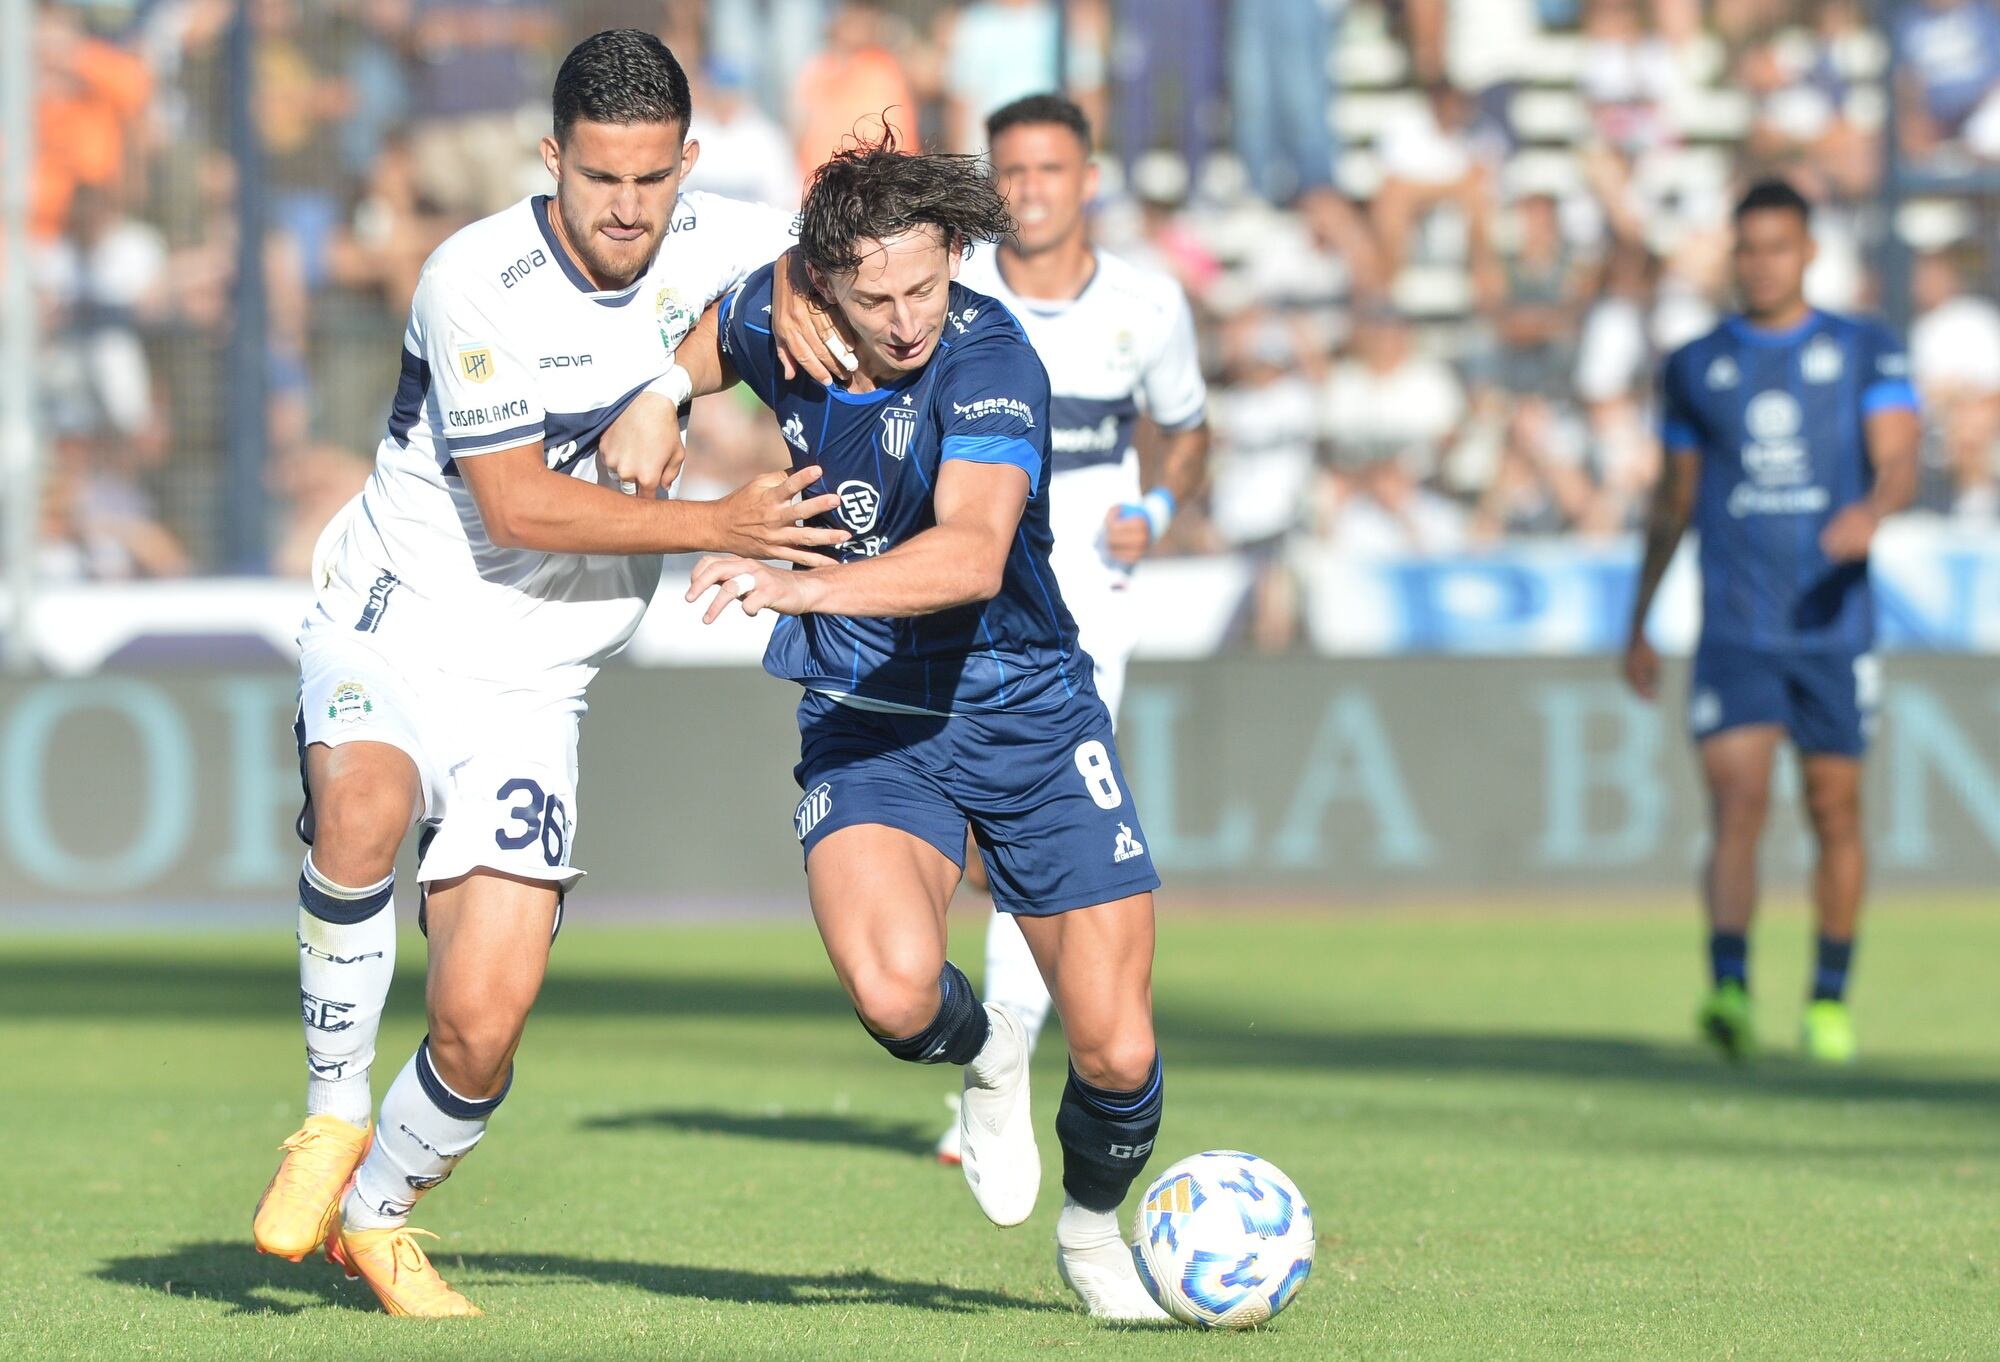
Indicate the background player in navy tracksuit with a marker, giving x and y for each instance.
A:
(1789, 435)
(945, 690)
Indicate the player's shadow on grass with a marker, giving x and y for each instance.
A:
(250, 1283)
(1618, 1059)
(895, 1137)
(236, 1275)
(860, 1286)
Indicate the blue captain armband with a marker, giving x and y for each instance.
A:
(996, 449)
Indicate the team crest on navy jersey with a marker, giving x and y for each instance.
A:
(899, 424)
(1822, 361)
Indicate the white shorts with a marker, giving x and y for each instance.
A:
(497, 764)
(1095, 586)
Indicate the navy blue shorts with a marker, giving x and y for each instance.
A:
(1043, 794)
(1825, 701)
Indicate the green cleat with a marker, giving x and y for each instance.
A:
(1725, 1019)
(1829, 1032)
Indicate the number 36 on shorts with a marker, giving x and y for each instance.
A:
(534, 817)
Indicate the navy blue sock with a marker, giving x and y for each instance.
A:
(954, 1035)
(1107, 1136)
(1830, 973)
(1729, 958)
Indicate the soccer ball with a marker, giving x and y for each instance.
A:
(1223, 1240)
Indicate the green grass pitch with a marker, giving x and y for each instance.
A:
(1513, 1147)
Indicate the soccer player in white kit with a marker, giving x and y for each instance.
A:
(1119, 346)
(465, 601)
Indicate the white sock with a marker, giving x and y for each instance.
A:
(1079, 1227)
(1013, 979)
(347, 955)
(425, 1129)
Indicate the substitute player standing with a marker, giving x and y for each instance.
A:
(1790, 435)
(464, 605)
(945, 690)
(1119, 346)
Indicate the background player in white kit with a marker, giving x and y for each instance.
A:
(1119, 346)
(464, 604)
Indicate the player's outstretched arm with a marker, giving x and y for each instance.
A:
(525, 505)
(702, 357)
(643, 448)
(1666, 521)
(959, 561)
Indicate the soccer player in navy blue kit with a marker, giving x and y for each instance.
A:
(945, 690)
(1790, 434)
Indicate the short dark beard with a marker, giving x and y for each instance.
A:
(578, 236)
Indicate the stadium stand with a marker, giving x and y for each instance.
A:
(1433, 264)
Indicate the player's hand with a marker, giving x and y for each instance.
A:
(755, 586)
(1128, 535)
(1847, 536)
(642, 452)
(761, 520)
(809, 336)
(1642, 668)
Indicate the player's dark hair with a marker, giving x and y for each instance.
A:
(1039, 111)
(873, 190)
(622, 75)
(1768, 195)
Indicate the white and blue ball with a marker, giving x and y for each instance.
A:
(1223, 1240)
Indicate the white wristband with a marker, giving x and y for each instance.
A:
(1159, 507)
(676, 385)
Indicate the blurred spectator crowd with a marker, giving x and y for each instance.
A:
(1436, 247)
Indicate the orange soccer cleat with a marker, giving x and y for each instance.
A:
(298, 1209)
(397, 1270)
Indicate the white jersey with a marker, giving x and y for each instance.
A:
(508, 343)
(1122, 348)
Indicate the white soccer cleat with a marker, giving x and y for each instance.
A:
(995, 1131)
(1096, 1264)
(949, 1143)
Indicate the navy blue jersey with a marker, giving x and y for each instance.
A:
(1779, 419)
(983, 397)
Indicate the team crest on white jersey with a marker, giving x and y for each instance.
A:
(899, 427)
(815, 806)
(349, 703)
(1127, 846)
(475, 362)
(1821, 362)
(1723, 374)
(859, 504)
(794, 431)
(673, 316)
